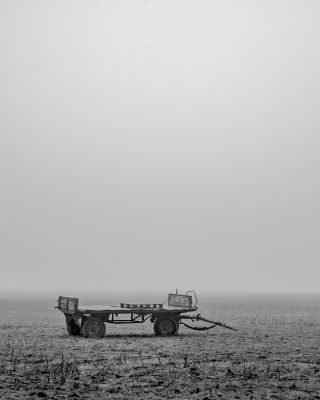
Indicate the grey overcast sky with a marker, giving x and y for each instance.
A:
(159, 144)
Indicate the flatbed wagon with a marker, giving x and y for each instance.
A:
(89, 321)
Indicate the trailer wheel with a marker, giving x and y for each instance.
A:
(72, 328)
(93, 328)
(166, 326)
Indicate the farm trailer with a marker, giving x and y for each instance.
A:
(89, 321)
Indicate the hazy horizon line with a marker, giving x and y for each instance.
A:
(144, 292)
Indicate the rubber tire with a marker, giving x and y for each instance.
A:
(166, 326)
(72, 328)
(176, 326)
(93, 327)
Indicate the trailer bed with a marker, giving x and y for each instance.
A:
(88, 309)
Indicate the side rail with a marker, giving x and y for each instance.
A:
(68, 305)
(188, 300)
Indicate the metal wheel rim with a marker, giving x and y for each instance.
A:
(94, 328)
(166, 327)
